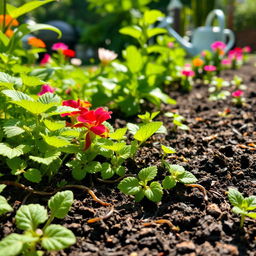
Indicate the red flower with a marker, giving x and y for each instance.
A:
(93, 120)
(46, 89)
(69, 53)
(81, 106)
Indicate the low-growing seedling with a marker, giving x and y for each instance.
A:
(178, 174)
(51, 237)
(139, 186)
(166, 151)
(216, 89)
(4, 206)
(238, 83)
(177, 121)
(242, 206)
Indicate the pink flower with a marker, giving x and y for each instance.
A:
(247, 49)
(106, 56)
(237, 54)
(187, 73)
(46, 88)
(218, 45)
(237, 93)
(226, 62)
(59, 46)
(46, 59)
(209, 68)
(170, 44)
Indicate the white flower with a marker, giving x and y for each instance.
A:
(106, 56)
(76, 62)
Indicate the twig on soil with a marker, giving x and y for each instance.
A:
(109, 214)
(200, 187)
(162, 221)
(43, 193)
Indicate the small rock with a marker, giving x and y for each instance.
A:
(227, 249)
(133, 254)
(186, 247)
(214, 210)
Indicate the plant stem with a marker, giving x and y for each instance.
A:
(49, 221)
(242, 221)
(4, 14)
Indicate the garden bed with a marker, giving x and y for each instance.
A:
(219, 151)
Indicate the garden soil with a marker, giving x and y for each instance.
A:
(219, 150)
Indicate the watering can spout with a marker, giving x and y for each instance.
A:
(184, 43)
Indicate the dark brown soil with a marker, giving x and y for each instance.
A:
(218, 150)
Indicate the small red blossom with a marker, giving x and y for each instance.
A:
(69, 53)
(46, 59)
(80, 105)
(46, 88)
(237, 93)
(187, 73)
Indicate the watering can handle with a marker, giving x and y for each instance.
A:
(228, 33)
(220, 16)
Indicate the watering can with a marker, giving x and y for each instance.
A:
(203, 37)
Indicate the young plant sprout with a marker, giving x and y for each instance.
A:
(238, 83)
(177, 121)
(139, 186)
(242, 206)
(51, 237)
(216, 89)
(238, 98)
(166, 151)
(186, 80)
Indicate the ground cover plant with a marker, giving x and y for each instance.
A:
(148, 176)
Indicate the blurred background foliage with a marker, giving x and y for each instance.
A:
(98, 21)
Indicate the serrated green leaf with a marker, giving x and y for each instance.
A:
(54, 126)
(146, 131)
(17, 95)
(169, 182)
(120, 171)
(148, 173)
(238, 210)
(12, 128)
(11, 245)
(31, 80)
(119, 134)
(107, 171)
(55, 141)
(250, 203)
(125, 152)
(57, 237)
(154, 192)
(251, 215)
(129, 186)
(175, 169)
(139, 196)
(235, 197)
(49, 98)
(7, 79)
(93, 167)
(33, 175)
(4, 206)
(28, 217)
(6, 150)
(168, 150)
(16, 164)
(114, 146)
(50, 156)
(60, 203)
(187, 178)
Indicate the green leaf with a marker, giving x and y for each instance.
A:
(168, 150)
(4, 206)
(154, 192)
(133, 128)
(60, 203)
(134, 59)
(31, 80)
(151, 16)
(2, 187)
(28, 217)
(250, 203)
(6, 150)
(169, 182)
(133, 31)
(162, 96)
(251, 215)
(238, 210)
(17, 165)
(107, 171)
(34, 107)
(120, 171)
(155, 31)
(119, 134)
(11, 245)
(147, 130)
(11, 128)
(33, 175)
(175, 169)
(125, 152)
(187, 178)
(54, 126)
(140, 195)
(235, 197)
(57, 237)
(27, 7)
(148, 174)
(55, 141)
(49, 98)
(129, 186)
(7, 79)
(49, 157)
(114, 146)
(93, 167)
(17, 95)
